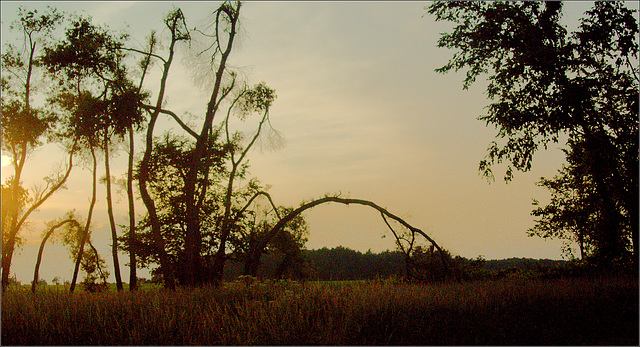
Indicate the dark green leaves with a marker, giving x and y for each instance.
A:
(257, 99)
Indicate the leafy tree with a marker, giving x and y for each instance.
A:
(75, 237)
(167, 169)
(23, 126)
(253, 239)
(102, 103)
(545, 83)
(243, 100)
(167, 172)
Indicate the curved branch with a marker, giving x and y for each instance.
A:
(276, 228)
(53, 189)
(398, 238)
(97, 259)
(246, 206)
(44, 240)
(175, 117)
(145, 53)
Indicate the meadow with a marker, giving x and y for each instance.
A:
(576, 311)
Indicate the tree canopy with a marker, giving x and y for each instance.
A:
(546, 84)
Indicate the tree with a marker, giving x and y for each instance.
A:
(70, 219)
(545, 83)
(144, 64)
(24, 126)
(291, 243)
(76, 237)
(103, 104)
(257, 99)
(167, 169)
(254, 238)
(175, 22)
(449, 268)
(243, 101)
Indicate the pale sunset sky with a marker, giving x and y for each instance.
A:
(363, 113)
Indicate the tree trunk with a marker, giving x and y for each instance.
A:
(194, 238)
(112, 222)
(143, 172)
(133, 278)
(252, 263)
(44, 240)
(13, 212)
(220, 256)
(8, 248)
(85, 235)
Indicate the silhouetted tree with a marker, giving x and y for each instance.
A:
(449, 268)
(211, 64)
(167, 169)
(85, 62)
(545, 84)
(288, 242)
(75, 237)
(23, 126)
(145, 65)
(176, 24)
(70, 219)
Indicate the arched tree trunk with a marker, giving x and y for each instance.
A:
(44, 240)
(286, 219)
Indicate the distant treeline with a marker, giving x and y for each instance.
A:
(341, 263)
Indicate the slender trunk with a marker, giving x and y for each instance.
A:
(17, 222)
(8, 248)
(13, 214)
(143, 173)
(41, 249)
(193, 240)
(98, 258)
(133, 278)
(228, 223)
(85, 235)
(112, 222)
(220, 257)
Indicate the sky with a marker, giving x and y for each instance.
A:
(363, 113)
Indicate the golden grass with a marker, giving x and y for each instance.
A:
(574, 311)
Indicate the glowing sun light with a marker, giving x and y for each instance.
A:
(5, 160)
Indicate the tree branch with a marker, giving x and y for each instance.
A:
(145, 53)
(276, 228)
(175, 117)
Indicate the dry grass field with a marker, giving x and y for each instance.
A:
(588, 311)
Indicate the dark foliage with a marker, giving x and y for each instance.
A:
(344, 264)
(546, 84)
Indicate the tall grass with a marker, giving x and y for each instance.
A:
(575, 312)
